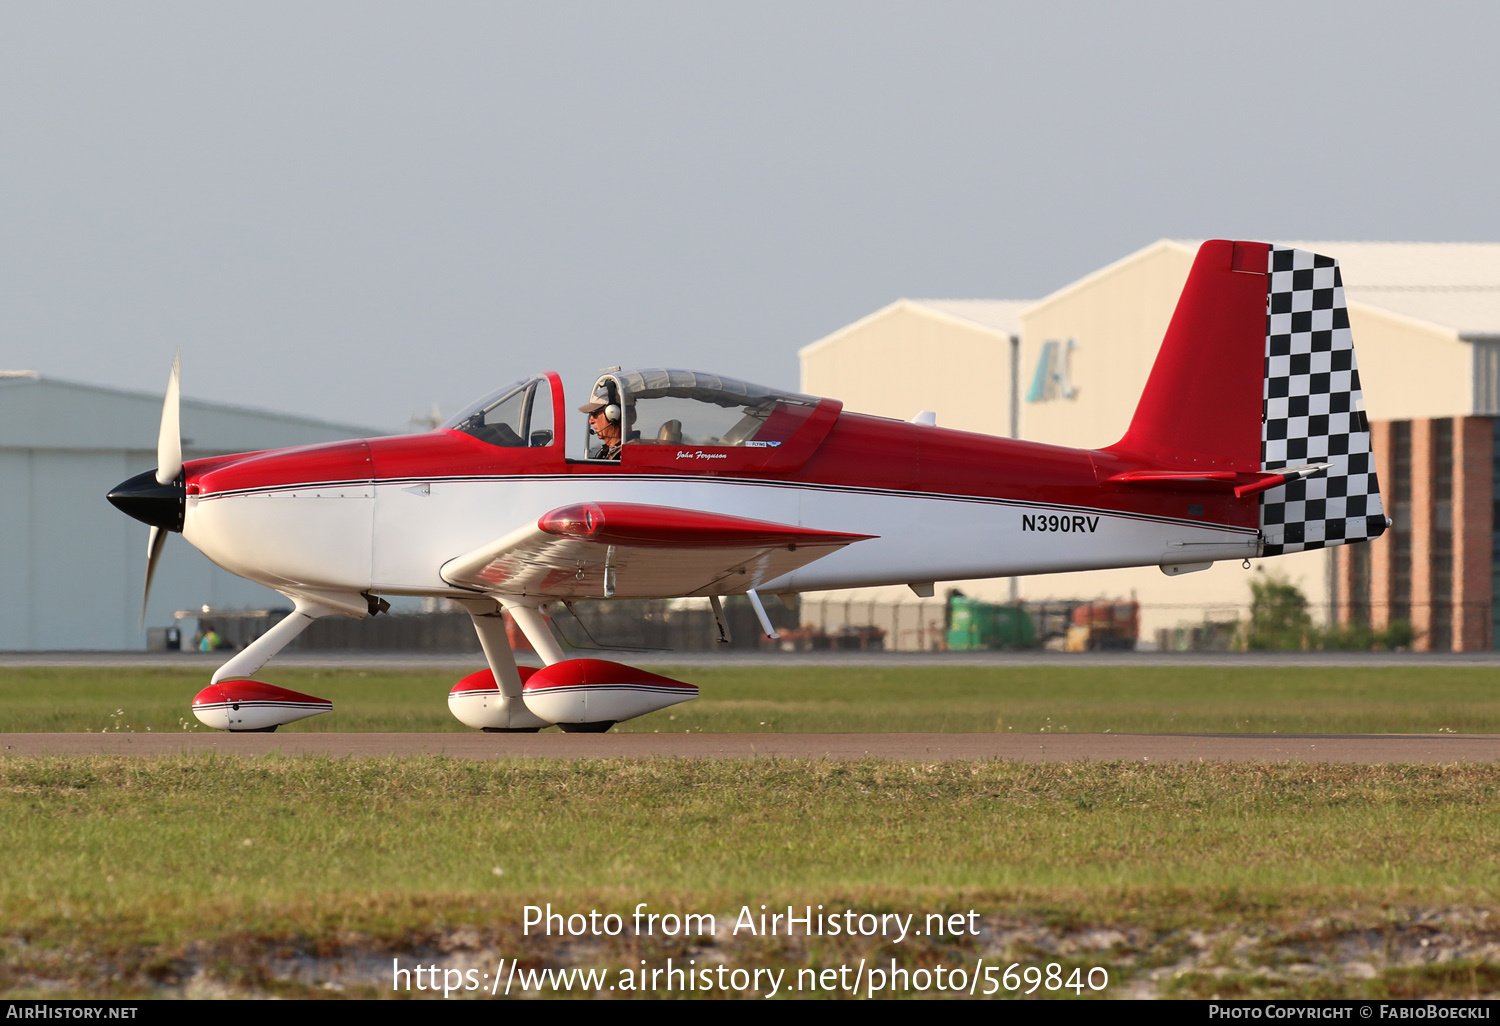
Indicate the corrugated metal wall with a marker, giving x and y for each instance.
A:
(72, 566)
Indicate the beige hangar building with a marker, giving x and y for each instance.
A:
(1069, 368)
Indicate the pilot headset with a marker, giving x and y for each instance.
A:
(612, 413)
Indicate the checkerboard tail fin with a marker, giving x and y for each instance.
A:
(1314, 412)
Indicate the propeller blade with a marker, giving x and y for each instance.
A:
(153, 553)
(169, 441)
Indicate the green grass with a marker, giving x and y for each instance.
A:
(144, 865)
(127, 877)
(271, 829)
(1169, 699)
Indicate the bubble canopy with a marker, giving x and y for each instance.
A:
(658, 406)
(681, 407)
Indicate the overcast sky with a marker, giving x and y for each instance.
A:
(357, 210)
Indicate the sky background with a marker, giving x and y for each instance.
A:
(359, 210)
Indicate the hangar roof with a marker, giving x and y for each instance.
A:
(1455, 284)
(1452, 284)
(1003, 315)
(997, 316)
(45, 413)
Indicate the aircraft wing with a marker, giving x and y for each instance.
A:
(628, 550)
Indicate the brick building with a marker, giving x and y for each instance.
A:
(1436, 567)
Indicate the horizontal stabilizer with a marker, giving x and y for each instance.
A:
(1199, 479)
(1241, 484)
(1269, 481)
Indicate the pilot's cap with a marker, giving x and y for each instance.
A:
(599, 400)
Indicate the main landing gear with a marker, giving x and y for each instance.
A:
(581, 696)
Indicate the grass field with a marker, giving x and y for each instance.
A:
(1185, 699)
(198, 876)
(125, 876)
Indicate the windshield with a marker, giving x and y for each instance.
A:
(516, 416)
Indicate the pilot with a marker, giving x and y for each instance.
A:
(604, 422)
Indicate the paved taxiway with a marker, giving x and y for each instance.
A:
(1339, 748)
(464, 662)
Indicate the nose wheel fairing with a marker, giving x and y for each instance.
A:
(234, 702)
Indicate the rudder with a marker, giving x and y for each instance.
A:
(1314, 412)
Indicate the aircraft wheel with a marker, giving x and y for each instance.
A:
(258, 730)
(510, 730)
(597, 727)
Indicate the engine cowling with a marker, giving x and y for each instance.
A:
(597, 693)
(253, 705)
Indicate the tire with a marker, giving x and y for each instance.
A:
(597, 727)
(510, 730)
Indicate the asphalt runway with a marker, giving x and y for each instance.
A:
(1367, 749)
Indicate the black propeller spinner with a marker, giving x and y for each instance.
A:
(150, 502)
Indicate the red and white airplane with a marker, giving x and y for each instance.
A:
(1250, 440)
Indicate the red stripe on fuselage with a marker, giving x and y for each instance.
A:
(859, 452)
